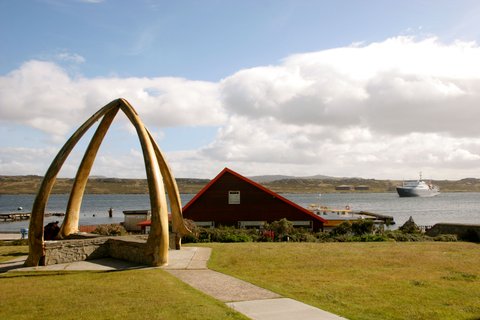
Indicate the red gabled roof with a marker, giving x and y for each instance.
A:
(255, 184)
(87, 229)
(149, 222)
(144, 223)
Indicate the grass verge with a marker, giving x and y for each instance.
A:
(8, 252)
(136, 294)
(427, 280)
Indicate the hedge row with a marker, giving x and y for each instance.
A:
(283, 230)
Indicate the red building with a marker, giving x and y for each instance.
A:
(230, 199)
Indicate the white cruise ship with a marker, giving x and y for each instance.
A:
(417, 188)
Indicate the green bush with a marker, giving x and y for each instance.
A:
(223, 234)
(343, 229)
(195, 230)
(282, 228)
(370, 238)
(190, 238)
(358, 231)
(361, 227)
(398, 235)
(356, 228)
(342, 238)
(446, 238)
(323, 237)
(303, 235)
(410, 227)
(110, 230)
(266, 236)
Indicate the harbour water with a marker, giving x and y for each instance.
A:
(447, 207)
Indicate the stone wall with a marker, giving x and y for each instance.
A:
(468, 232)
(129, 248)
(65, 251)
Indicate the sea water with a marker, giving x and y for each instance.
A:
(462, 207)
(94, 208)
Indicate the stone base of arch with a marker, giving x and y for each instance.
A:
(80, 248)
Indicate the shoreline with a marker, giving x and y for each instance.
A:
(279, 192)
(460, 207)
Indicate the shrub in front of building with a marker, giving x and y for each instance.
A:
(398, 235)
(344, 229)
(363, 227)
(446, 238)
(283, 231)
(221, 234)
(410, 227)
(110, 230)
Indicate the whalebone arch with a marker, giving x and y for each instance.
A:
(159, 178)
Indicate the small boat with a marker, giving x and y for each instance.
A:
(417, 188)
(334, 217)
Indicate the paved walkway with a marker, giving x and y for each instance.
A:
(10, 236)
(190, 266)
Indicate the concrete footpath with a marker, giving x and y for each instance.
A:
(10, 236)
(190, 266)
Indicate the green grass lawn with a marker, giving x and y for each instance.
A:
(10, 252)
(137, 294)
(389, 280)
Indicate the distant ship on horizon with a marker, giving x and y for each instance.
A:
(417, 188)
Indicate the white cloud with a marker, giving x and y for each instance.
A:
(24, 161)
(43, 95)
(396, 86)
(70, 57)
(383, 110)
(40, 95)
(306, 150)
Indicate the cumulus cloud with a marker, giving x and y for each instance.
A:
(43, 95)
(397, 86)
(24, 161)
(368, 109)
(373, 110)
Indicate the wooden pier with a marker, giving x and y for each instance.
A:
(19, 216)
(388, 220)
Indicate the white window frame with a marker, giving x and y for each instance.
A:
(234, 197)
(205, 224)
(254, 224)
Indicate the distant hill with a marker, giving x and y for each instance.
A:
(96, 185)
(278, 183)
(312, 185)
(270, 178)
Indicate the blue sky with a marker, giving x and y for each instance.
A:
(210, 40)
(377, 89)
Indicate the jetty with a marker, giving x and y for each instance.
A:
(388, 220)
(18, 216)
(335, 217)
